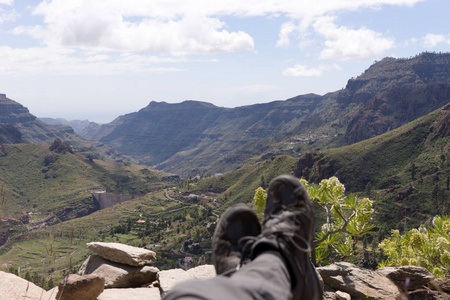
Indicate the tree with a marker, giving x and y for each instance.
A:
(413, 172)
(347, 219)
(260, 199)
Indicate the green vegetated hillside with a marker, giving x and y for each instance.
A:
(406, 170)
(193, 137)
(58, 198)
(43, 187)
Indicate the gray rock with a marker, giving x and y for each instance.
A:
(75, 287)
(123, 254)
(426, 294)
(14, 287)
(358, 282)
(130, 294)
(169, 278)
(342, 296)
(328, 295)
(407, 277)
(118, 275)
(202, 272)
(440, 284)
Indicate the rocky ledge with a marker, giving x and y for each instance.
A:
(131, 276)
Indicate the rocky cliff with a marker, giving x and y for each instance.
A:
(395, 107)
(31, 129)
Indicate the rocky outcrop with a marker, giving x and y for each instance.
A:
(123, 254)
(75, 287)
(358, 282)
(407, 277)
(119, 275)
(42, 223)
(343, 280)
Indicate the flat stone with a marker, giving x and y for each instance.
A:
(14, 287)
(75, 287)
(130, 294)
(119, 275)
(407, 277)
(169, 278)
(358, 282)
(123, 254)
(202, 272)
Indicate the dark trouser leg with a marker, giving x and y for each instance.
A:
(265, 278)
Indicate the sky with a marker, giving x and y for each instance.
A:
(99, 59)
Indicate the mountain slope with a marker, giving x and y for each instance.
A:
(196, 137)
(163, 131)
(31, 129)
(401, 168)
(77, 125)
(18, 125)
(395, 107)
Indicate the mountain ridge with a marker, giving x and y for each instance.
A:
(196, 137)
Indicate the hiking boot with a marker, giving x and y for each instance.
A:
(288, 227)
(236, 224)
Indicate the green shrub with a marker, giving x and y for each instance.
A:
(347, 219)
(427, 247)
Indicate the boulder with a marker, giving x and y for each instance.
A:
(440, 284)
(14, 287)
(340, 295)
(407, 277)
(426, 294)
(169, 278)
(123, 254)
(86, 287)
(118, 275)
(327, 295)
(130, 294)
(202, 272)
(358, 282)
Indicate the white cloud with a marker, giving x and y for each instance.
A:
(175, 27)
(7, 15)
(432, 40)
(60, 61)
(283, 37)
(82, 35)
(112, 25)
(98, 57)
(344, 43)
(303, 71)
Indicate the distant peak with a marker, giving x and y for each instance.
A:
(185, 104)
